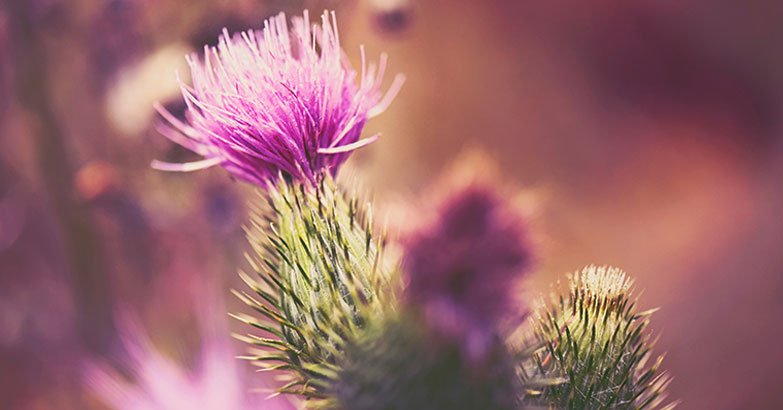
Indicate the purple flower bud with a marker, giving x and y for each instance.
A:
(461, 270)
(278, 101)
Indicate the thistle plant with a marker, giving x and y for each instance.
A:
(282, 109)
(597, 342)
(348, 328)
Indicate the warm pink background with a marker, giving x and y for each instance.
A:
(645, 135)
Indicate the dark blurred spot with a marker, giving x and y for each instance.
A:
(221, 208)
(176, 107)
(392, 16)
(51, 15)
(117, 6)
(12, 210)
(119, 42)
(6, 179)
(469, 215)
(459, 283)
(211, 30)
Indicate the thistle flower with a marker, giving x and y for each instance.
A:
(277, 102)
(461, 270)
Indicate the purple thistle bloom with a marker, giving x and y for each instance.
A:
(276, 102)
(461, 270)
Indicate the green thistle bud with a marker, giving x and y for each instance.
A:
(320, 279)
(596, 342)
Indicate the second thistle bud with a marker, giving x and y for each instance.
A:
(597, 343)
(461, 268)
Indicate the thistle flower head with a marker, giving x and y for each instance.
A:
(461, 269)
(277, 102)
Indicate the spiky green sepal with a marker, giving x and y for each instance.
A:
(401, 365)
(596, 341)
(320, 280)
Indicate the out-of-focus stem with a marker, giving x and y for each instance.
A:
(82, 247)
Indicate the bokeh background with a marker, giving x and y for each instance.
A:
(646, 135)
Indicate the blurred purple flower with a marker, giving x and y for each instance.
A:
(160, 383)
(461, 270)
(279, 101)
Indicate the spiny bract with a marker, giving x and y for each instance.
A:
(321, 277)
